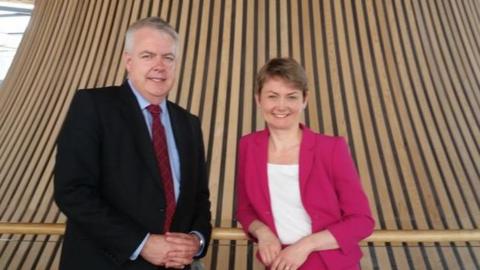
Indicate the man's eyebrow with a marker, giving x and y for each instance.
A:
(271, 91)
(147, 52)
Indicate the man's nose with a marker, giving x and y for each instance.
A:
(160, 64)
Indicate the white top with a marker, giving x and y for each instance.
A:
(291, 220)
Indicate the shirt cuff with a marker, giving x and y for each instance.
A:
(202, 242)
(137, 251)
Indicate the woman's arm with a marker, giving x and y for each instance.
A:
(356, 222)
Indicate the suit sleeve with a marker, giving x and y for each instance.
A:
(356, 222)
(244, 212)
(202, 202)
(77, 183)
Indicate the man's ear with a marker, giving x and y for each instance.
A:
(127, 58)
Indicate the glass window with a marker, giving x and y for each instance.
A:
(14, 17)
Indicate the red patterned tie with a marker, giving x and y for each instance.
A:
(163, 163)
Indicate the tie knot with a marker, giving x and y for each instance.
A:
(154, 109)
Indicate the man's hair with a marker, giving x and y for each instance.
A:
(286, 69)
(149, 22)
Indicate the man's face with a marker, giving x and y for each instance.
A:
(151, 63)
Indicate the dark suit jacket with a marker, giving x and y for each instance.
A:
(108, 185)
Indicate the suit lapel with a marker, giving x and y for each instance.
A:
(307, 156)
(135, 119)
(181, 130)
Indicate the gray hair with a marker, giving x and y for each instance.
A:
(150, 22)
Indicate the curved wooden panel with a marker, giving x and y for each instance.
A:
(399, 79)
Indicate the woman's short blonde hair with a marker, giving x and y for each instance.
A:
(283, 68)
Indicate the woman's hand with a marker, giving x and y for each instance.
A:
(293, 256)
(268, 243)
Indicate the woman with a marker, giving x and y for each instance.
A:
(299, 194)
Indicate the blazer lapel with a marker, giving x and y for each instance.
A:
(307, 156)
(135, 119)
(261, 160)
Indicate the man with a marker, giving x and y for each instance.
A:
(130, 170)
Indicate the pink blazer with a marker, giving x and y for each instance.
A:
(330, 189)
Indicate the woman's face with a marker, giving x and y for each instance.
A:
(281, 103)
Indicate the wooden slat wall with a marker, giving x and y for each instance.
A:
(399, 79)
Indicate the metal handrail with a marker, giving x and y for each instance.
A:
(222, 233)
